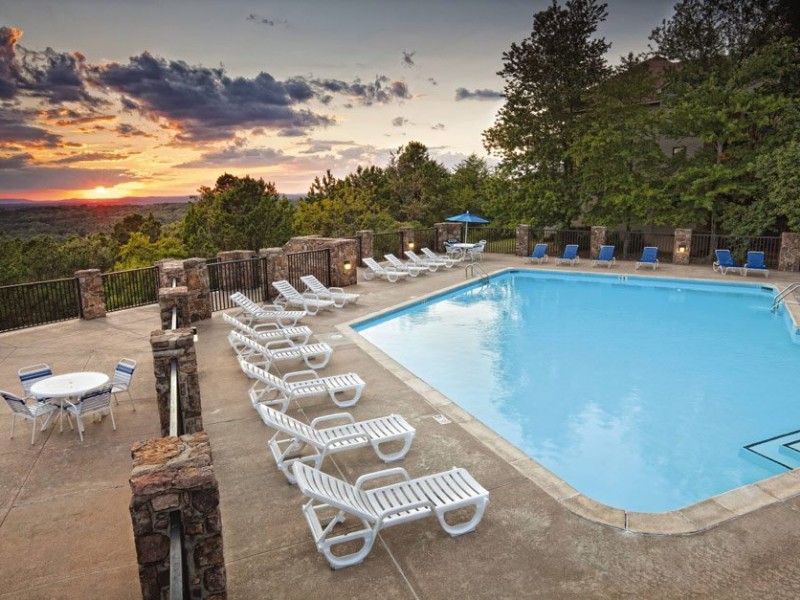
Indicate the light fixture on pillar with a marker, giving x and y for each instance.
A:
(347, 266)
(410, 245)
(681, 249)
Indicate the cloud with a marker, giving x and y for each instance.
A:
(28, 180)
(66, 117)
(235, 156)
(265, 21)
(465, 94)
(14, 131)
(128, 130)
(432, 81)
(399, 121)
(292, 132)
(92, 157)
(317, 148)
(380, 91)
(438, 127)
(205, 104)
(15, 161)
(408, 58)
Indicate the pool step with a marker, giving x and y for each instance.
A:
(781, 450)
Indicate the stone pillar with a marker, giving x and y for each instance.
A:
(524, 234)
(446, 231)
(789, 259)
(93, 299)
(344, 262)
(598, 238)
(192, 273)
(175, 476)
(169, 298)
(277, 267)
(367, 242)
(177, 344)
(408, 240)
(682, 246)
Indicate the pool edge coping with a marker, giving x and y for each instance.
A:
(694, 518)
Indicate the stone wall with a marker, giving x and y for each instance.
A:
(682, 247)
(598, 238)
(524, 235)
(175, 475)
(177, 344)
(447, 231)
(408, 240)
(277, 267)
(789, 259)
(343, 250)
(192, 273)
(93, 298)
(174, 297)
(367, 237)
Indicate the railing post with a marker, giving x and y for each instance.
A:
(192, 273)
(597, 239)
(176, 475)
(93, 298)
(174, 297)
(523, 246)
(446, 231)
(277, 265)
(682, 247)
(406, 240)
(789, 257)
(367, 242)
(177, 344)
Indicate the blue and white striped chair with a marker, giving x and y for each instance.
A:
(121, 381)
(29, 411)
(91, 402)
(31, 374)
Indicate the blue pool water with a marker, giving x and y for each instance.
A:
(640, 393)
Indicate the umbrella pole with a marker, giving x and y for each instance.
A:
(466, 228)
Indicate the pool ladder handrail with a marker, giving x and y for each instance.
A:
(793, 287)
(470, 270)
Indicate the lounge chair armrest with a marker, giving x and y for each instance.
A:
(262, 326)
(325, 418)
(336, 290)
(310, 296)
(307, 374)
(384, 473)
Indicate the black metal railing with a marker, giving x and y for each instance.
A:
(558, 239)
(498, 240)
(248, 276)
(313, 262)
(426, 238)
(390, 242)
(30, 304)
(127, 289)
(704, 245)
(628, 245)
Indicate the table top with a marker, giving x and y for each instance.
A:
(462, 245)
(68, 384)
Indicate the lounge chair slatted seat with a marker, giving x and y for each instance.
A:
(252, 312)
(570, 255)
(398, 264)
(378, 508)
(417, 260)
(267, 332)
(649, 257)
(344, 390)
(337, 294)
(376, 270)
(605, 257)
(539, 254)
(432, 256)
(316, 356)
(725, 263)
(299, 437)
(755, 262)
(289, 296)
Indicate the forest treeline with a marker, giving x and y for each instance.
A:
(703, 131)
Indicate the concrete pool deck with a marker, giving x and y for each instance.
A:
(64, 505)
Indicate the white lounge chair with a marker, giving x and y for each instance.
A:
(381, 507)
(432, 256)
(398, 264)
(316, 356)
(376, 270)
(268, 332)
(343, 390)
(337, 294)
(289, 296)
(349, 435)
(425, 263)
(251, 312)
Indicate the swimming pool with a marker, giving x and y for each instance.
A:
(642, 393)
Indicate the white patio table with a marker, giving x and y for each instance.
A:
(464, 248)
(68, 385)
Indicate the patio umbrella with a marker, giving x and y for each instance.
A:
(467, 218)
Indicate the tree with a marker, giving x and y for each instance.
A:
(238, 213)
(547, 78)
(418, 186)
(140, 251)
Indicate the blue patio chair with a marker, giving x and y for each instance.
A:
(570, 255)
(539, 254)
(755, 262)
(649, 257)
(725, 262)
(605, 257)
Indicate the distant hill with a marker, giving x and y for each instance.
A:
(139, 201)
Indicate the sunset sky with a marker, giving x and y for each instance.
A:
(111, 98)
